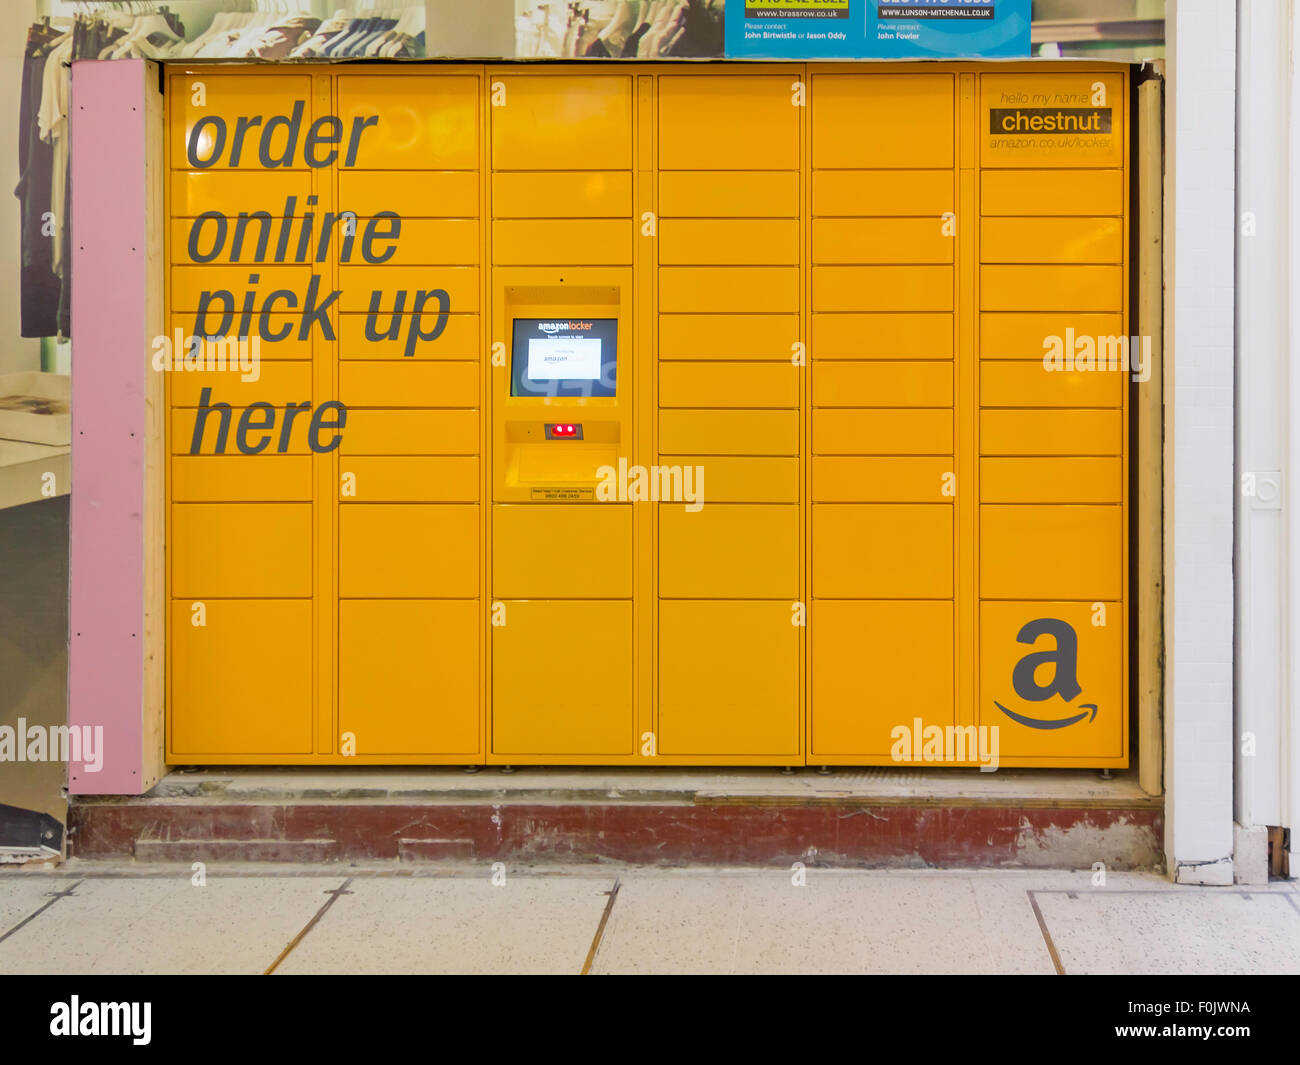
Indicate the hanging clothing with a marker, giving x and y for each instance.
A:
(91, 37)
(278, 41)
(377, 29)
(44, 176)
(38, 284)
(325, 33)
(634, 41)
(52, 122)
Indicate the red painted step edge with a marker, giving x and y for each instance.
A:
(839, 835)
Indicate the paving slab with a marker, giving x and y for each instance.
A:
(1174, 931)
(529, 924)
(673, 925)
(22, 894)
(1012, 935)
(833, 923)
(123, 926)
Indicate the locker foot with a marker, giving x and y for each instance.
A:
(471, 768)
(1106, 774)
(823, 770)
(507, 769)
(787, 771)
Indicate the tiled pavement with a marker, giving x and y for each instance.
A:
(474, 918)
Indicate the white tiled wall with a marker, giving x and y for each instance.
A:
(1201, 209)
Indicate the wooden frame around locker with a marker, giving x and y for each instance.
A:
(645, 195)
(157, 508)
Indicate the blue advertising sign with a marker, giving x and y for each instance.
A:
(877, 29)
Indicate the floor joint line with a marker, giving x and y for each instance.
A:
(1047, 936)
(55, 896)
(600, 928)
(342, 889)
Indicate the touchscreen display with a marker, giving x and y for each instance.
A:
(564, 357)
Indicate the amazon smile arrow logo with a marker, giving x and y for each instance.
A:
(1038, 722)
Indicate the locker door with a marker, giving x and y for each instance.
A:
(227, 116)
(562, 680)
(408, 676)
(260, 707)
(424, 121)
(549, 123)
(728, 679)
(878, 666)
(1051, 680)
(733, 122)
(882, 121)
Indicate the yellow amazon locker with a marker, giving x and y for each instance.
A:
(771, 414)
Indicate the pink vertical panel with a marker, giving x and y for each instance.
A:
(109, 362)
